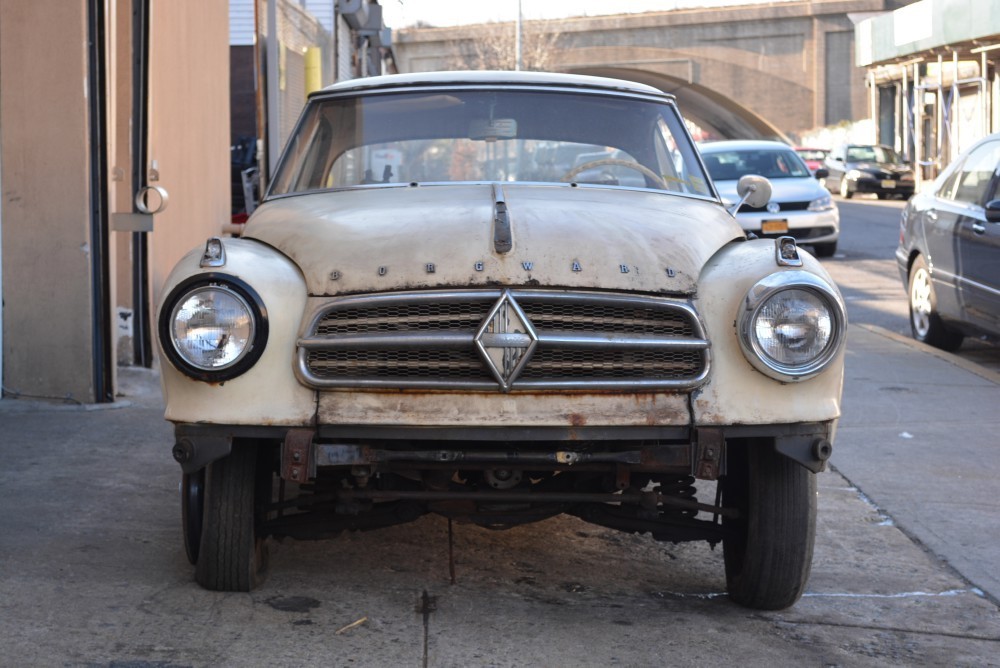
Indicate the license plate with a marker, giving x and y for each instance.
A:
(774, 226)
(888, 184)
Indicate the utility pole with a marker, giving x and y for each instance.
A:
(517, 64)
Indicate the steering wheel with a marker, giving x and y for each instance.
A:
(645, 171)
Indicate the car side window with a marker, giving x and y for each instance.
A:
(861, 154)
(970, 182)
(947, 189)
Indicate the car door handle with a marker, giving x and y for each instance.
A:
(931, 215)
(978, 229)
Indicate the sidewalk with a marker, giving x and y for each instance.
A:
(919, 437)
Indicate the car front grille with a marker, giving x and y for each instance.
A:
(784, 206)
(428, 340)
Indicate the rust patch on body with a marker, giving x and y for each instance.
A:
(441, 408)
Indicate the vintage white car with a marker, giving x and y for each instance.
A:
(430, 314)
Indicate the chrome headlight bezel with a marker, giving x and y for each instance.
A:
(244, 296)
(761, 295)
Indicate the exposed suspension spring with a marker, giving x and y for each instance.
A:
(680, 487)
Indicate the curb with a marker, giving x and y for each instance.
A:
(972, 367)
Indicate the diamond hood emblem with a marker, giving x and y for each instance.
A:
(506, 340)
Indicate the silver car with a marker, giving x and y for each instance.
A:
(800, 205)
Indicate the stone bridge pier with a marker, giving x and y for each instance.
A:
(753, 71)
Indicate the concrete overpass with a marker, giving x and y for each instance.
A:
(767, 70)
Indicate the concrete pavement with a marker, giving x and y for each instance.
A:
(920, 436)
(92, 571)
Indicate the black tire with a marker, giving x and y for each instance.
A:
(925, 322)
(825, 250)
(845, 188)
(767, 550)
(192, 512)
(231, 555)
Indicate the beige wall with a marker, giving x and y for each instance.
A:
(45, 150)
(189, 126)
(46, 236)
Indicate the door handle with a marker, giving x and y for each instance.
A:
(978, 229)
(931, 215)
(145, 205)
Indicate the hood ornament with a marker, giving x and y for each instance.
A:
(502, 240)
(506, 340)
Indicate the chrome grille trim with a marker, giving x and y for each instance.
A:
(426, 341)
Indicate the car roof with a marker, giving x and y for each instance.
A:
(742, 145)
(491, 78)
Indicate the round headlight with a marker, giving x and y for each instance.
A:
(793, 325)
(213, 330)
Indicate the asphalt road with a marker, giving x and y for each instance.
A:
(92, 571)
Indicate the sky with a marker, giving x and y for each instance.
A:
(403, 13)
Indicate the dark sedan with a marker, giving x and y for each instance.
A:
(949, 250)
(858, 168)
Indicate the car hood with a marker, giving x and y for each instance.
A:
(878, 167)
(416, 237)
(803, 189)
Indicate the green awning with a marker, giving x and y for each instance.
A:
(924, 26)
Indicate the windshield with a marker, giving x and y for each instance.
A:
(811, 153)
(881, 154)
(770, 163)
(442, 136)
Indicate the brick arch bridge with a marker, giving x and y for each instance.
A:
(768, 70)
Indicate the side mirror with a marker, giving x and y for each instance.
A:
(821, 173)
(753, 190)
(993, 211)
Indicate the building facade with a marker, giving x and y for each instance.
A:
(931, 69)
(115, 160)
(113, 141)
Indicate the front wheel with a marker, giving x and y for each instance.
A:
(925, 323)
(845, 189)
(825, 250)
(192, 511)
(231, 555)
(768, 549)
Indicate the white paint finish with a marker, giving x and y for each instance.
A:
(495, 78)
(736, 393)
(402, 229)
(268, 394)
